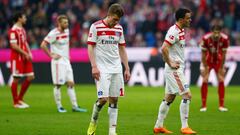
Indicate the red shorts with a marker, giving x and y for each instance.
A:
(215, 66)
(20, 68)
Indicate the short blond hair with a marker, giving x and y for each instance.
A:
(61, 17)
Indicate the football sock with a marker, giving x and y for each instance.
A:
(72, 95)
(162, 113)
(184, 111)
(204, 91)
(96, 109)
(14, 87)
(113, 114)
(57, 96)
(221, 92)
(24, 88)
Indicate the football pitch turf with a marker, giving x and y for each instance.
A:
(137, 112)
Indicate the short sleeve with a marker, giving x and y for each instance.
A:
(50, 38)
(13, 37)
(122, 41)
(170, 37)
(225, 44)
(92, 35)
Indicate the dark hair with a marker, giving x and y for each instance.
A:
(116, 9)
(217, 27)
(16, 16)
(180, 13)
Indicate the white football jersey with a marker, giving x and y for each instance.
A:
(176, 39)
(107, 41)
(59, 42)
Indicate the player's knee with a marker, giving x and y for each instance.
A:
(30, 78)
(167, 102)
(70, 84)
(186, 101)
(113, 105)
(103, 100)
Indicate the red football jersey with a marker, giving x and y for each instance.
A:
(17, 35)
(215, 48)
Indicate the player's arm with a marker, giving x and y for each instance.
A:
(166, 58)
(44, 46)
(204, 53)
(19, 50)
(29, 52)
(124, 59)
(91, 55)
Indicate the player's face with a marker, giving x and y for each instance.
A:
(216, 34)
(23, 19)
(187, 20)
(113, 20)
(64, 23)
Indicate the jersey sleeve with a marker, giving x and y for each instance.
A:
(122, 41)
(92, 35)
(203, 44)
(170, 37)
(13, 37)
(50, 38)
(225, 44)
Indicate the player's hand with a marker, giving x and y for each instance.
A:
(127, 75)
(27, 56)
(174, 64)
(55, 56)
(95, 73)
(222, 71)
(205, 70)
(31, 56)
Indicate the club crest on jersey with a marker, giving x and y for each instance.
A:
(90, 35)
(171, 37)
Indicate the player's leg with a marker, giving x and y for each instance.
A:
(170, 94)
(184, 113)
(221, 88)
(102, 85)
(28, 72)
(58, 79)
(14, 90)
(162, 113)
(71, 90)
(116, 89)
(73, 98)
(204, 88)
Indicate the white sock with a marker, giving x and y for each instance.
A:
(113, 114)
(162, 113)
(184, 111)
(72, 96)
(96, 109)
(57, 96)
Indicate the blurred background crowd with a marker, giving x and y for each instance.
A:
(145, 21)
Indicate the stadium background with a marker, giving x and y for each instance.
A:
(145, 24)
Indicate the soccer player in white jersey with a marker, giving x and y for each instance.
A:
(62, 73)
(106, 48)
(173, 55)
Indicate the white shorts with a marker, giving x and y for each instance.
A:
(61, 72)
(175, 83)
(110, 85)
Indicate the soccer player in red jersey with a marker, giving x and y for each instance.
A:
(214, 47)
(21, 59)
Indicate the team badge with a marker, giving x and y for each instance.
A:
(117, 34)
(171, 37)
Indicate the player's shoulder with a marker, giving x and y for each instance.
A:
(174, 29)
(207, 35)
(97, 23)
(224, 36)
(118, 26)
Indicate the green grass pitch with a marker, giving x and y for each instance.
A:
(137, 112)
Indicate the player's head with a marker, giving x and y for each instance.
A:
(216, 30)
(62, 22)
(115, 12)
(20, 17)
(183, 16)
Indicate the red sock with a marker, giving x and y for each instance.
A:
(204, 91)
(221, 93)
(24, 88)
(14, 87)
